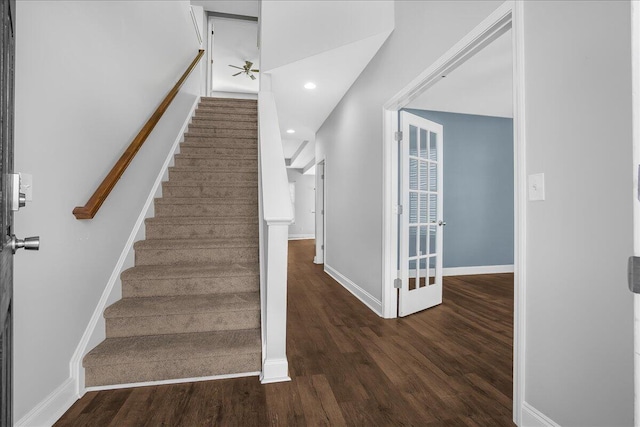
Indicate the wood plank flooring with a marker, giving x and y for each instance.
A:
(450, 365)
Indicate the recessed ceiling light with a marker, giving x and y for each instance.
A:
(291, 131)
(310, 85)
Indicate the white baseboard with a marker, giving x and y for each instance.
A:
(174, 381)
(481, 269)
(95, 331)
(235, 95)
(301, 236)
(52, 407)
(374, 304)
(531, 417)
(275, 371)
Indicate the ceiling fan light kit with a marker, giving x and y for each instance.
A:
(245, 69)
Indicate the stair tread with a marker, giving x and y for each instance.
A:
(205, 201)
(153, 348)
(191, 270)
(183, 304)
(231, 171)
(193, 183)
(191, 243)
(203, 220)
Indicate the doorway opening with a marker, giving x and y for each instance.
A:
(233, 59)
(505, 18)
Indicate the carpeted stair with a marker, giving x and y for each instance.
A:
(191, 306)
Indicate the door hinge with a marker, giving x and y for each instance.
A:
(322, 176)
(397, 283)
(322, 212)
(398, 210)
(322, 247)
(398, 136)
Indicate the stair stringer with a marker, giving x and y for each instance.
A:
(96, 331)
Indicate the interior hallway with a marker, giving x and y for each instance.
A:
(449, 365)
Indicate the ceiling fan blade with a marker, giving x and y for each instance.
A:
(255, 71)
(252, 76)
(248, 64)
(234, 66)
(236, 74)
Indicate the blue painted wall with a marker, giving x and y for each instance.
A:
(478, 188)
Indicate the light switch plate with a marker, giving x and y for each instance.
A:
(536, 187)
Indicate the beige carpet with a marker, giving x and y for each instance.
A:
(191, 304)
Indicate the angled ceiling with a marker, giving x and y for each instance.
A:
(482, 85)
(234, 7)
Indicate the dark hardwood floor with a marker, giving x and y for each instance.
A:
(450, 365)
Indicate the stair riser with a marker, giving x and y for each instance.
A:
(218, 109)
(165, 370)
(210, 191)
(173, 324)
(231, 133)
(179, 231)
(200, 123)
(189, 286)
(242, 153)
(209, 115)
(213, 142)
(164, 210)
(179, 255)
(182, 175)
(213, 163)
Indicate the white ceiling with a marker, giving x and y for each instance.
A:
(234, 42)
(482, 85)
(234, 7)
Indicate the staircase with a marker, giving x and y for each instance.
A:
(191, 306)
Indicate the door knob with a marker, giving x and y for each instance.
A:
(29, 243)
(442, 223)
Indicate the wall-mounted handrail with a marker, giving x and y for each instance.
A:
(90, 209)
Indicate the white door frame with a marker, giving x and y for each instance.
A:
(508, 15)
(320, 217)
(635, 102)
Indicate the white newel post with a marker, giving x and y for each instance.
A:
(276, 366)
(276, 214)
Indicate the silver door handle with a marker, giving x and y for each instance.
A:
(29, 243)
(442, 223)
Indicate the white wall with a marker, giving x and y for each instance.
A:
(351, 138)
(579, 342)
(88, 75)
(304, 206)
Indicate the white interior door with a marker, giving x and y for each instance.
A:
(421, 219)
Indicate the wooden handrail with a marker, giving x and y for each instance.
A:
(89, 210)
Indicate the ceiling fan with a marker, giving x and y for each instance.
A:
(246, 69)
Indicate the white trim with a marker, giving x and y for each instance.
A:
(390, 125)
(125, 261)
(173, 381)
(508, 14)
(478, 269)
(196, 26)
(520, 211)
(52, 407)
(367, 299)
(531, 417)
(275, 371)
(301, 236)
(635, 103)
